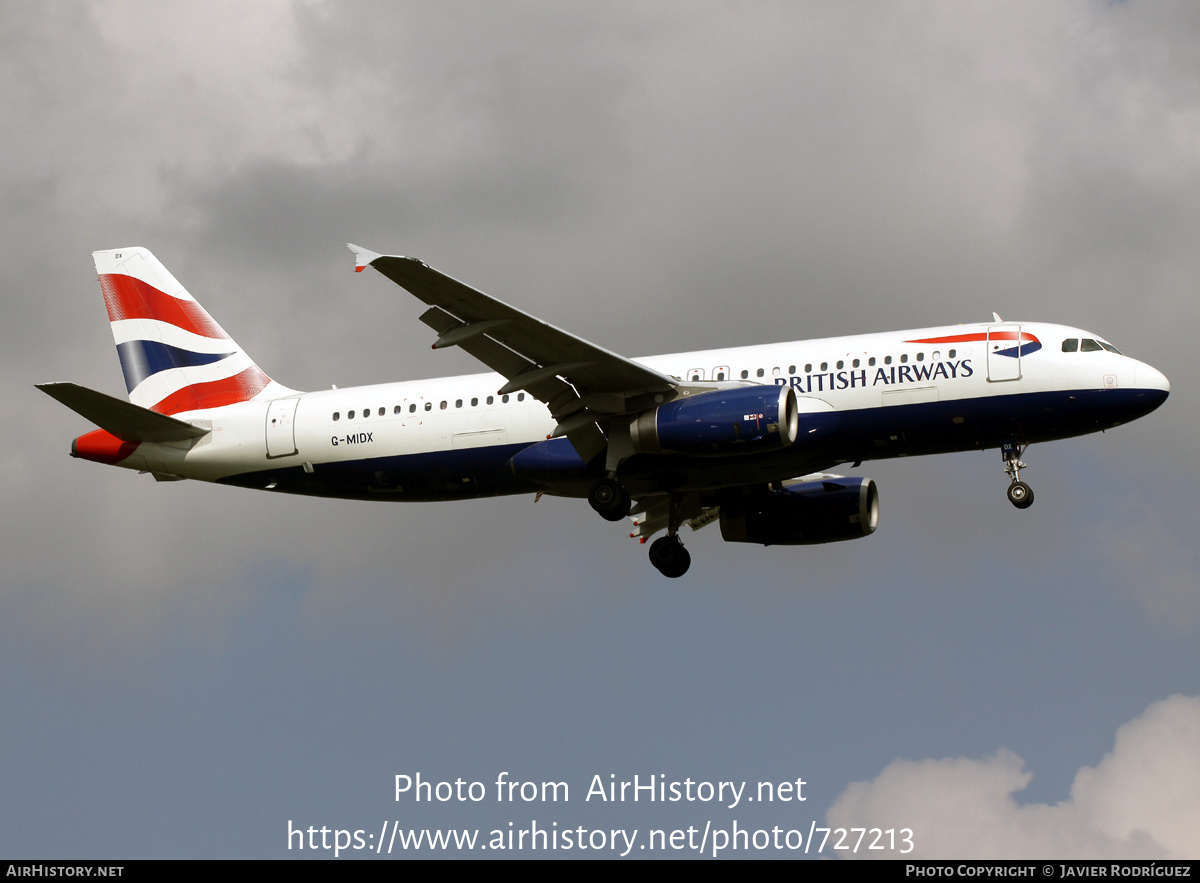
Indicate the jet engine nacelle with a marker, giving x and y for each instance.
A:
(823, 511)
(738, 420)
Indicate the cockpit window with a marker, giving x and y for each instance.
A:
(1090, 346)
(1071, 345)
(1110, 347)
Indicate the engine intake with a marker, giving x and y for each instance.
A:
(724, 422)
(825, 511)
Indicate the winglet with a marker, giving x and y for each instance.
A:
(362, 256)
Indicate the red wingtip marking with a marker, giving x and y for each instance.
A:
(360, 269)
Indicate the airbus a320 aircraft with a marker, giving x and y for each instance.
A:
(740, 436)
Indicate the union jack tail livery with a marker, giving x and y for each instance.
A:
(175, 357)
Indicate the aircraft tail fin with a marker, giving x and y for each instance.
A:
(174, 356)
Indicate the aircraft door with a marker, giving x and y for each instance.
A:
(1004, 352)
(281, 427)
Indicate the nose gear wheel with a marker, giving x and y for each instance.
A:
(1019, 493)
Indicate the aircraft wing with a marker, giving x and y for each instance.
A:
(580, 382)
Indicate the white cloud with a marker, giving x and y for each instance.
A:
(1141, 801)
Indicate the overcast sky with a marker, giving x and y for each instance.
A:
(185, 668)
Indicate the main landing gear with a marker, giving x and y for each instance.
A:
(1019, 493)
(667, 554)
(669, 557)
(610, 500)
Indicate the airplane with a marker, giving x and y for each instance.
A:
(742, 436)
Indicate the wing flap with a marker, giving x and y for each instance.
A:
(653, 513)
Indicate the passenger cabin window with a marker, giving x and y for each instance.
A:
(871, 361)
(350, 415)
(841, 364)
(952, 353)
(504, 398)
(791, 369)
(920, 357)
(761, 372)
(337, 415)
(903, 357)
(458, 403)
(443, 405)
(887, 360)
(808, 369)
(490, 399)
(854, 363)
(429, 406)
(824, 366)
(474, 402)
(397, 409)
(520, 397)
(1071, 345)
(412, 408)
(745, 374)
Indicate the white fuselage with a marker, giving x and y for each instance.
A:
(317, 430)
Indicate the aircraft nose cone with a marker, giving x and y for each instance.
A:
(1152, 387)
(1148, 377)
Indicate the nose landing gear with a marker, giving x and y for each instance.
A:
(1019, 493)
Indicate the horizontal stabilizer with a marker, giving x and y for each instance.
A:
(126, 421)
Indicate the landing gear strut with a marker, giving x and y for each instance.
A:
(1019, 493)
(610, 500)
(669, 557)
